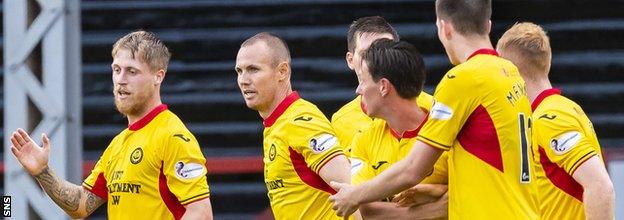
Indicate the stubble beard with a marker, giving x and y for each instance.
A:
(133, 105)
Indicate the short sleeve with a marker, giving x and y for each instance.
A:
(184, 167)
(314, 139)
(561, 136)
(424, 101)
(96, 181)
(454, 100)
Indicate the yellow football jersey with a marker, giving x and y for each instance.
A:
(351, 119)
(298, 142)
(379, 146)
(348, 121)
(481, 115)
(563, 138)
(155, 164)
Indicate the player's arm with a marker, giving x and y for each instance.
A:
(384, 210)
(432, 210)
(598, 194)
(337, 169)
(316, 142)
(400, 176)
(570, 148)
(389, 210)
(185, 171)
(76, 201)
(423, 201)
(420, 194)
(201, 209)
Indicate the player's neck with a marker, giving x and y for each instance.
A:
(537, 86)
(279, 96)
(153, 103)
(403, 115)
(467, 45)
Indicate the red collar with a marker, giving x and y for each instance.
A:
(281, 108)
(147, 118)
(484, 51)
(409, 134)
(543, 95)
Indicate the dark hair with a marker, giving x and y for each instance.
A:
(372, 24)
(467, 16)
(400, 63)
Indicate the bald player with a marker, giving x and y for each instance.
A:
(301, 153)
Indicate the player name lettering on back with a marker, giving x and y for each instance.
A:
(515, 93)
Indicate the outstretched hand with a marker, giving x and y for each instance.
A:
(32, 157)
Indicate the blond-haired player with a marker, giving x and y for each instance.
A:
(155, 164)
(572, 178)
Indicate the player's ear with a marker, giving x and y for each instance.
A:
(159, 76)
(283, 70)
(488, 27)
(384, 87)
(349, 58)
(446, 28)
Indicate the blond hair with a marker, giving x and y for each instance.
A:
(528, 47)
(147, 47)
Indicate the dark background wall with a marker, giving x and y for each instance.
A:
(204, 36)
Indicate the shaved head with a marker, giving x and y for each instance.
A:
(278, 50)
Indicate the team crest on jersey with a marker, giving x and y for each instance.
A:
(136, 156)
(188, 170)
(441, 112)
(565, 142)
(272, 152)
(322, 142)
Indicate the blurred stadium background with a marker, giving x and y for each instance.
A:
(204, 35)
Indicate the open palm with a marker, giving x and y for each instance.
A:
(32, 157)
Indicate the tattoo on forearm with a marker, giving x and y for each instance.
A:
(64, 194)
(93, 201)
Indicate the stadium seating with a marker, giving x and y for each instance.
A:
(204, 36)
